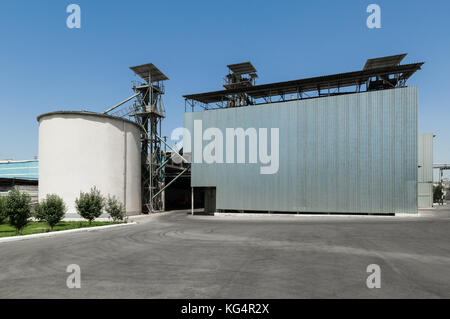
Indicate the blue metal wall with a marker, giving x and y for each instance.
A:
(353, 153)
(19, 169)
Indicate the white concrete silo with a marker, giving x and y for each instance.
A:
(79, 150)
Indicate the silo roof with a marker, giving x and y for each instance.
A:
(86, 113)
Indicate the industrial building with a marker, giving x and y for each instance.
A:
(345, 144)
(348, 143)
(121, 152)
(79, 150)
(20, 174)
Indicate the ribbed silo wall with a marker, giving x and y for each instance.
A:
(354, 153)
(79, 150)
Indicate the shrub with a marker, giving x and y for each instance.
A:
(51, 210)
(438, 193)
(115, 209)
(18, 209)
(3, 215)
(90, 205)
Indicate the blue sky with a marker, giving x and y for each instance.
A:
(44, 66)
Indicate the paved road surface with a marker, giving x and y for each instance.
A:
(180, 256)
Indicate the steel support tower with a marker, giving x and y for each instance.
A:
(149, 111)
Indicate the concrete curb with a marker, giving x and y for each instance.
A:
(62, 232)
(312, 215)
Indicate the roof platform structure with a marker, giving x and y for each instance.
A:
(149, 92)
(377, 74)
(387, 61)
(242, 68)
(240, 76)
(148, 88)
(149, 73)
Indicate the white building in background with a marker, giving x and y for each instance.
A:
(425, 175)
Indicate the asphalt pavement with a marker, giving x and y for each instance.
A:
(175, 255)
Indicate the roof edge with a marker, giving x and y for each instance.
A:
(85, 113)
(277, 87)
(18, 161)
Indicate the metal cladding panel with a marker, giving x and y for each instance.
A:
(352, 153)
(19, 169)
(426, 158)
(425, 195)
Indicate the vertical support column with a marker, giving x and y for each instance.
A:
(163, 171)
(151, 166)
(192, 201)
(150, 136)
(125, 155)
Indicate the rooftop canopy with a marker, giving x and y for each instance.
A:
(381, 69)
(384, 62)
(242, 68)
(149, 73)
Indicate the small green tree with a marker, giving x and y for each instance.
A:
(51, 210)
(3, 214)
(115, 209)
(438, 193)
(90, 205)
(18, 209)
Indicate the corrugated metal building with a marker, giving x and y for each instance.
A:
(19, 169)
(425, 176)
(20, 174)
(354, 153)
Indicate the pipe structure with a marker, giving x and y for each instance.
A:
(121, 103)
(441, 168)
(162, 140)
(172, 181)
